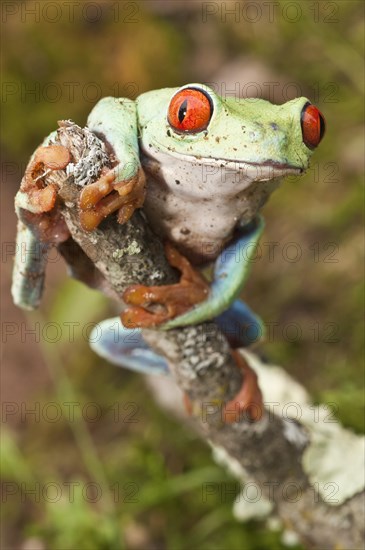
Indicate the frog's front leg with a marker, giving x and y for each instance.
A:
(122, 187)
(230, 274)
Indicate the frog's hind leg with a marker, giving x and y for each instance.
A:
(125, 348)
(248, 402)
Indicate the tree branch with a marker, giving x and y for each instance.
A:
(272, 452)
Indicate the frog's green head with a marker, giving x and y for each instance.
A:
(194, 125)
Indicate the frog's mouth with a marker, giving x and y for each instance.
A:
(259, 171)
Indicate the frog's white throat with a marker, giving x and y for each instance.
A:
(198, 205)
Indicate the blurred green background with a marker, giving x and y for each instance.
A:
(122, 472)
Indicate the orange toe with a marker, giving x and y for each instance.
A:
(106, 195)
(94, 192)
(41, 196)
(54, 157)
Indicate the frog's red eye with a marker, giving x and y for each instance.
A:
(190, 111)
(313, 125)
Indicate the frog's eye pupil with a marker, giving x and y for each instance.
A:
(313, 125)
(190, 111)
(182, 110)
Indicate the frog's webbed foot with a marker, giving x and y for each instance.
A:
(153, 305)
(110, 193)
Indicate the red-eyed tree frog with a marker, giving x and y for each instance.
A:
(201, 166)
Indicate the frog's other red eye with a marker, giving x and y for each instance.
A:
(190, 111)
(313, 125)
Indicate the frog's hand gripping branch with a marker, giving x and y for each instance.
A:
(121, 188)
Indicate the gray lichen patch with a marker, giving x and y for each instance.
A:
(130, 249)
(88, 151)
(134, 248)
(334, 460)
